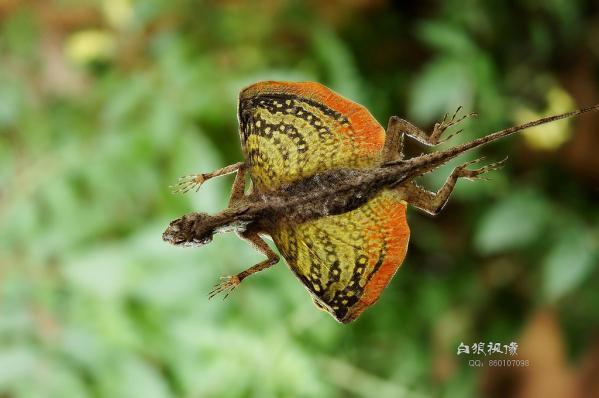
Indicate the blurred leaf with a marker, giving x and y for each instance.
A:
(118, 12)
(339, 65)
(568, 262)
(442, 87)
(446, 38)
(16, 364)
(90, 45)
(19, 32)
(512, 223)
(11, 102)
(135, 378)
(551, 136)
(102, 273)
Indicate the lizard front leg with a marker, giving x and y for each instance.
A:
(431, 202)
(397, 128)
(229, 283)
(194, 181)
(238, 188)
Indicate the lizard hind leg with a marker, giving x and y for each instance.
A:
(397, 128)
(475, 174)
(229, 283)
(433, 202)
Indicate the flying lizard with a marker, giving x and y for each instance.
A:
(330, 186)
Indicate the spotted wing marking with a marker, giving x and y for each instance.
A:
(345, 261)
(294, 130)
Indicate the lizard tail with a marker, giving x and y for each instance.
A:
(427, 162)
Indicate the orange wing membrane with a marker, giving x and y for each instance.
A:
(293, 130)
(345, 261)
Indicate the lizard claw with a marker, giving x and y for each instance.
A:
(187, 183)
(228, 284)
(450, 136)
(446, 123)
(475, 174)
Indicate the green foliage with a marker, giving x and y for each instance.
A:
(575, 251)
(515, 222)
(101, 110)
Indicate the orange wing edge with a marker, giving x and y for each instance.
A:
(399, 233)
(365, 127)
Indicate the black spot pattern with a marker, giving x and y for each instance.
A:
(251, 123)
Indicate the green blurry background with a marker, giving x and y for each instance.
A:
(103, 104)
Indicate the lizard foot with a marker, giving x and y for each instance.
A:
(228, 284)
(187, 183)
(462, 171)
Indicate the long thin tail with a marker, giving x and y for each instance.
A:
(435, 159)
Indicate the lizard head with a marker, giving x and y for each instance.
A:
(193, 229)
